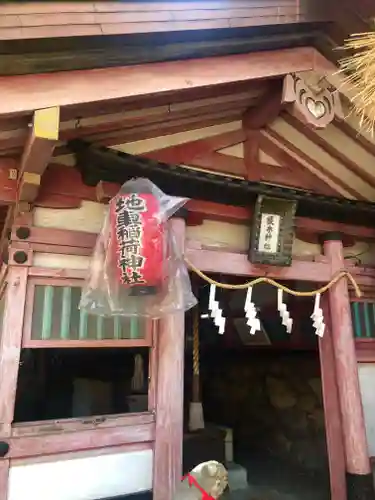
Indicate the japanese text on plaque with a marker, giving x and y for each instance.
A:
(269, 233)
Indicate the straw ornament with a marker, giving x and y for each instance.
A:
(359, 73)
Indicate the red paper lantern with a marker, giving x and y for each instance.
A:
(138, 244)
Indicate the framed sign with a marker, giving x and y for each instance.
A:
(272, 233)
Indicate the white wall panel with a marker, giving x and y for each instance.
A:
(83, 478)
(367, 381)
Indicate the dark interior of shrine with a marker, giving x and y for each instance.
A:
(261, 396)
(55, 384)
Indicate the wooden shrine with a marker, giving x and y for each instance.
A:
(255, 109)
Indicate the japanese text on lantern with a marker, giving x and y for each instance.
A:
(129, 211)
(269, 233)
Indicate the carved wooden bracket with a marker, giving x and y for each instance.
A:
(316, 109)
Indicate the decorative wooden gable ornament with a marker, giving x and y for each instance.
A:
(314, 108)
(272, 233)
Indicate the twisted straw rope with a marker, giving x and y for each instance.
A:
(359, 73)
(337, 277)
(196, 342)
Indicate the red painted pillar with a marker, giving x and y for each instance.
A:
(358, 471)
(169, 396)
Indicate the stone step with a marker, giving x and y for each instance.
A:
(237, 476)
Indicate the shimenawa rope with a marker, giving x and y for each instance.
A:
(196, 342)
(243, 286)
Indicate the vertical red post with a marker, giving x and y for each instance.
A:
(358, 470)
(332, 412)
(170, 396)
(10, 350)
(4, 476)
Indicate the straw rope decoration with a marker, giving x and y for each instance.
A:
(196, 342)
(337, 277)
(359, 73)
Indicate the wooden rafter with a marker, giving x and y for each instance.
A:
(291, 172)
(356, 136)
(314, 164)
(202, 153)
(137, 131)
(78, 87)
(331, 150)
(38, 152)
(95, 118)
(253, 120)
(146, 131)
(267, 110)
(159, 113)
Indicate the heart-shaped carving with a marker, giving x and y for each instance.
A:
(316, 108)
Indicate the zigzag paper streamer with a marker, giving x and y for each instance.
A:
(251, 313)
(213, 304)
(286, 320)
(317, 317)
(216, 311)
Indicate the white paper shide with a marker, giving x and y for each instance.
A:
(286, 320)
(269, 233)
(317, 317)
(251, 313)
(216, 312)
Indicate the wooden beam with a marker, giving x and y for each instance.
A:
(4, 233)
(213, 261)
(314, 164)
(38, 152)
(4, 476)
(330, 150)
(356, 136)
(358, 469)
(220, 164)
(292, 172)
(204, 110)
(202, 153)
(11, 339)
(64, 442)
(8, 180)
(170, 396)
(266, 111)
(105, 119)
(78, 87)
(159, 129)
(64, 185)
(201, 210)
(332, 414)
(81, 243)
(253, 120)
(365, 350)
(176, 101)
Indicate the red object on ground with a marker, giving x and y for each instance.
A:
(193, 482)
